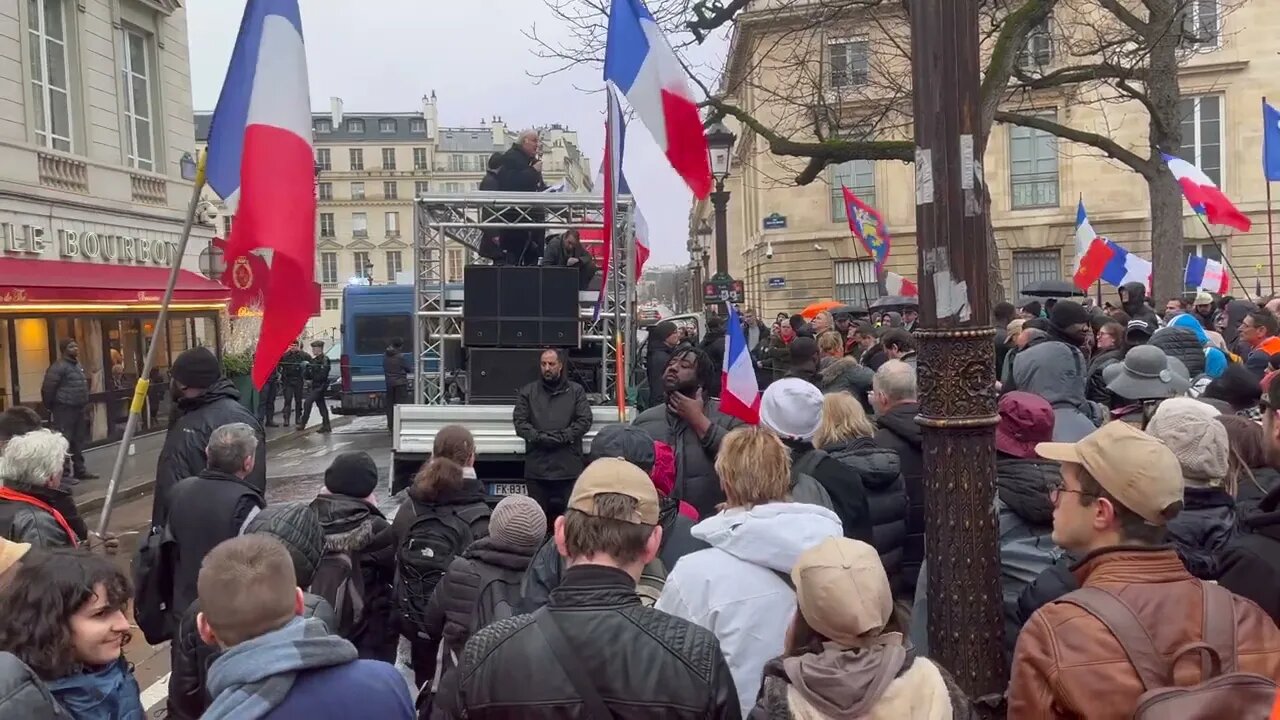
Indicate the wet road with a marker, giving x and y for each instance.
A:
(295, 472)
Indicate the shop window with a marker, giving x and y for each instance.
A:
(31, 345)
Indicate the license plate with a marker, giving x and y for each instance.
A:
(503, 489)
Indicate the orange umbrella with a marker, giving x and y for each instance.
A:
(812, 311)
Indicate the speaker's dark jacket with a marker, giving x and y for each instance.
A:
(552, 418)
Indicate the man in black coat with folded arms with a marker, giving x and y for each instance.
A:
(552, 415)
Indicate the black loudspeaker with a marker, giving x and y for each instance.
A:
(507, 306)
(495, 374)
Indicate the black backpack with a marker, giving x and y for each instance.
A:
(340, 580)
(498, 597)
(153, 576)
(433, 541)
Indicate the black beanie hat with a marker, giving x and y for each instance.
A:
(197, 368)
(353, 474)
(1066, 313)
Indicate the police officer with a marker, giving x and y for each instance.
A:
(317, 376)
(292, 371)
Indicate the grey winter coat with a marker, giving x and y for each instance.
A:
(23, 696)
(846, 375)
(65, 385)
(696, 479)
(881, 472)
(1056, 372)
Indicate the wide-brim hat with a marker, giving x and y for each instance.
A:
(1147, 374)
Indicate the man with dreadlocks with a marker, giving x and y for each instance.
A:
(692, 424)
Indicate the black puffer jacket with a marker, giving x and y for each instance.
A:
(643, 662)
(1182, 344)
(354, 526)
(1096, 388)
(655, 367)
(298, 528)
(183, 454)
(23, 696)
(1251, 562)
(846, 375)
(65, 385)
(24, 522)
(881, 474)
(1203, 529)
(552, 419)
(547, 567)
(1251, 492)
(899, 432)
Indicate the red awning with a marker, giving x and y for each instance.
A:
(52, 281)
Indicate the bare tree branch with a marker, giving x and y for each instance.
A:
(708, 19)
(1075, 75)
(1122, 13)
(1109, 147)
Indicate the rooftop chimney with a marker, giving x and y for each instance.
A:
(335, 108)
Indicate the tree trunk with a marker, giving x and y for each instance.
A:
(1165, 134)
(1166, 236)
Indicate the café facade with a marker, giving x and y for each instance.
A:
(98, 278)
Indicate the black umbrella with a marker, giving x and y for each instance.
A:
(895, 302)
(1052, 289)
(849, 310)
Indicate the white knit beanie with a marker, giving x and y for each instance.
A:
(792, 408)
(1191, 430)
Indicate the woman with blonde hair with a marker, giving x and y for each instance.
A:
(845, 654)
(739, 588)
(845, 433)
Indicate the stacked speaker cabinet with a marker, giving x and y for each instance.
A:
(520, 307)
(495, 375)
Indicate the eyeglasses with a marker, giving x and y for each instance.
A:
(1059, 487)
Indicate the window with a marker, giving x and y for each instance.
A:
(390, 191)
(50, 76)
(326, 225)
(359, 224)
(453, 187)
(357, 158)
(1033, 168)
(363, 267)
(479, 162)
(421, 187)
(419, 158)
(331, 303)
(418, 125)
(387, 125)
(860, 177)
(388, 158)
(847, 62)
(357, 191)
(355, 126)
(324, 190)
(328, 265)
(457, 163)
(453, 265)
(392, 220)
(1200, 24)
(1038, 52)
(1031, 266)
(323, 161)
(227, 221)
(394, 265)
(138, 102)
(375, 332)
(323, 126)
(1202, 134)
(856, 281)
(1209, 251)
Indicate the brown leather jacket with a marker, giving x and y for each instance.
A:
(1068, 665)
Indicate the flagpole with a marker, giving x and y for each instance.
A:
(1243, 288)
(866, 299)
(615, 171)
(1271, 250)
(144, 383)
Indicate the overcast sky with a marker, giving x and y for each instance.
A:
(384, 55)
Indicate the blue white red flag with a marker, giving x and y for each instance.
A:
(1112, 264)
(260, 163)
(739, 389)
(1204, 196)
(1205, 274)
(869, 228)
(639, 61)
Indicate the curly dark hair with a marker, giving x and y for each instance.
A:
(49, 587)
(704, 370)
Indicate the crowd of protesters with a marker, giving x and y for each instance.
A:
(700, 567)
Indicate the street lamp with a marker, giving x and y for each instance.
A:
(720, 148)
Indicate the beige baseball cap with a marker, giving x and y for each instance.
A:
(615, 475)
(842, 590)
(1135, 468)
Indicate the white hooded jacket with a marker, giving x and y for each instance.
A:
(733, 588)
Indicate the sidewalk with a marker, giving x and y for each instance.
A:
(139, 475)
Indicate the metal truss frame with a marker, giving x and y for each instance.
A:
(440, 219)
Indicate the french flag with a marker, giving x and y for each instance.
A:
(1206, 274)
(641, 64)
(1112, 264)
(1204, 196)
(613, 160)
(261, 164)
(1085, 236)
(739, 391)
(895, 284)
